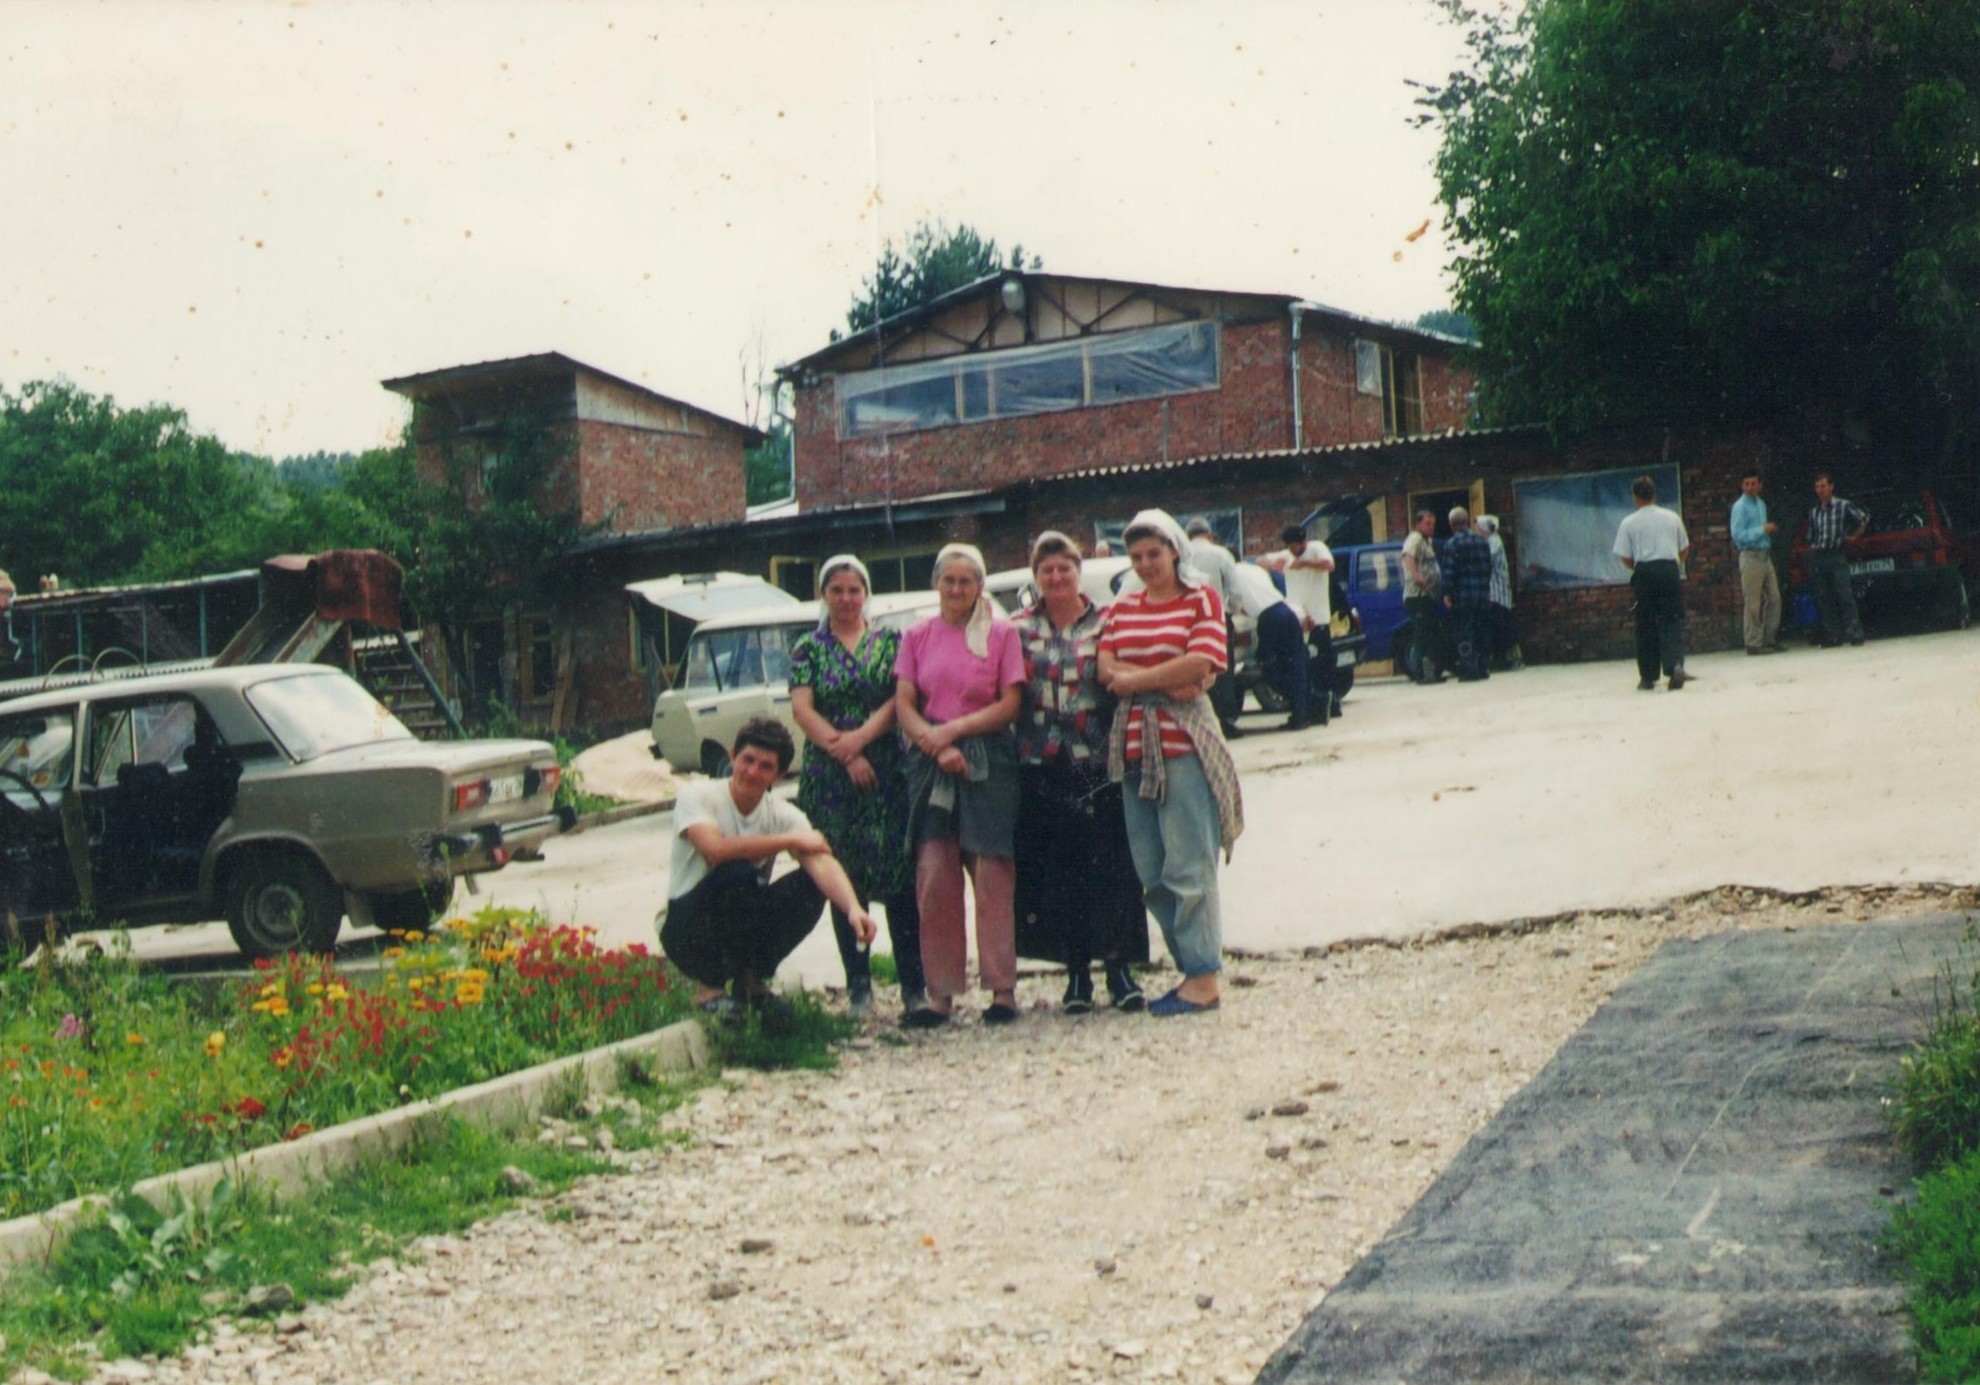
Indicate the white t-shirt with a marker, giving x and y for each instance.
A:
(1255, 593)
(1308, 588)
(1651, 533)
(710, 801)
(1214, 563)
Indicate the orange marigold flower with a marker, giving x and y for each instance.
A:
(282, 1056)
(215, 1042)
(393, 952)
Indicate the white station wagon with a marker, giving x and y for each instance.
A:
(278, 796)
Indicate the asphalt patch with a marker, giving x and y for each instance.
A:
(1693, 1190)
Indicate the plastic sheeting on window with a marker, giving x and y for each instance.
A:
(1367, 367)
(1567, 525)
(1107, 369)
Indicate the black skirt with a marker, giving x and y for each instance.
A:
(1076, 887)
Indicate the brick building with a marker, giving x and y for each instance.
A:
(1023, 375)
(626, 459)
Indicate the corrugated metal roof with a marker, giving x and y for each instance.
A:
(1449, 437)
(541, 365)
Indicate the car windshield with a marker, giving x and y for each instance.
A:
(315, 715)
(1894, 512)
(34, 752)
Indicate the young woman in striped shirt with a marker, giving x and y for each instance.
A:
(1159, 651)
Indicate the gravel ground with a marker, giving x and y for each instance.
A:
(1108, 1197)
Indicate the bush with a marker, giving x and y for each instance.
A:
(1937, 1116)
(1939, 1234)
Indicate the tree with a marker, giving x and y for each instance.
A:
(933, 260)
(767, 466)
(1449, 323)
(1724, 209)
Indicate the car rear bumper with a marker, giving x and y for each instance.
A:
(489, 846)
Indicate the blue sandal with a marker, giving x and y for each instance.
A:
(1173, 1004)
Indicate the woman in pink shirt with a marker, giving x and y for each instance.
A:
(959, 680)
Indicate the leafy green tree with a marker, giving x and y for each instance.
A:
(767, 466)
(1721, 209)
(932, 261)
(1448, 322)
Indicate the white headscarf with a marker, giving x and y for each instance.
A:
(1164, 523)
(976, 634)
(1487, 524)
(832, 565)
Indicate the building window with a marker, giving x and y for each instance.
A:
(1112, 368)
(539, 672)
(798, 576)
(1398, 378)
(902, 572)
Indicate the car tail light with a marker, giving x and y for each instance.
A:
(543, 780)
(469, 796)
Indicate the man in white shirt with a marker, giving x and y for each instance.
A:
(1309, 568)
(727, 926)
(1652, 544)
(1214, 563)
(1279, 640)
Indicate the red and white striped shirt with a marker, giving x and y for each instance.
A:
(1146, 633)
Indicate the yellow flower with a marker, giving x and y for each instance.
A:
(391, 952)
(261, 1007)
(415, 983)
(314, 988)
(272, 988)
(215, 1042)
(475, 974)
(336, 993)
(415, 936)
(469, 995)
(134, 1040)
(282, 1056)
(278, 1007)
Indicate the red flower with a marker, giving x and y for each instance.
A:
(247, 1108)
(298, 1130)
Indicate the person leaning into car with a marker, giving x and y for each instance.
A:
(1831, 523)
(727, 926)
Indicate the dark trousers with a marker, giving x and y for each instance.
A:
(1282, 659)
(1505, 634)
(1472, 626)
(1225, 699)
(1321, 672)
(734, 928)
(1078, 899)
(1423, 634)
(903, 931)
(1659, 618)
(1835, 600)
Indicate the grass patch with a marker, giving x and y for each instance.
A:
(137, 1281)
(801, 1039)
(1936, 1117)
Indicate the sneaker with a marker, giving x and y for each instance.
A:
(1079, 993)
(859, 996)
(721, 1007)
(1123, 991)
(1173, 1004)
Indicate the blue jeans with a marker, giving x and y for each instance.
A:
(1175, 845)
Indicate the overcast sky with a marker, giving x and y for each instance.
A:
(257, 211)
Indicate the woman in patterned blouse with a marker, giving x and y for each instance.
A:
(842, 696)
(1077, 894)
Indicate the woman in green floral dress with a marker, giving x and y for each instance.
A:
(842, 695)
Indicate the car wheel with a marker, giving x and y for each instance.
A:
(1343, 681)
(1955, 608)
(412, 910)
(1399, 652)
(281, 902)
(714, 760)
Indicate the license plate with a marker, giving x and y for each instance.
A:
(1344, 659)
(507, 789)
(1871, 565)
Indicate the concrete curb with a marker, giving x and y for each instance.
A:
(624, 813)
(506, 1103)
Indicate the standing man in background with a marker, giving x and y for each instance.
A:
(1759, 585)
(1218, 568)
(1652, 544)
(1831, 523)
(1423, 582)
(1468, 593)
(1308, 565)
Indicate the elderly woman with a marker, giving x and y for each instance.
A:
(1077, 894)
(842, 696)
(959, 679)
(1158, 650)
(1504, 628)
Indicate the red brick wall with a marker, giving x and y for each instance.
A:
(638, 478)
(1252, 411)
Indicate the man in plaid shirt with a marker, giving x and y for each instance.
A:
(1830, 523)
(1467, 564)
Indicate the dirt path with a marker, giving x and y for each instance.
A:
(1110, 1197)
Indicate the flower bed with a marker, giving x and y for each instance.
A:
(109, 1074)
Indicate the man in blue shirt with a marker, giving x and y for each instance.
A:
(1832, 522)
(1753, 536)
